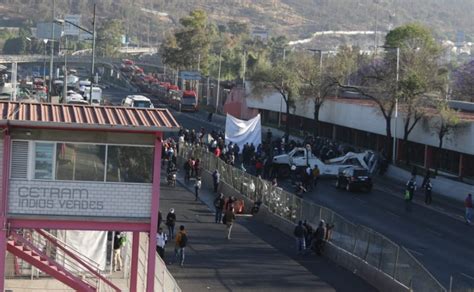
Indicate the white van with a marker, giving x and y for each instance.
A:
(137, 101)
(96, 95)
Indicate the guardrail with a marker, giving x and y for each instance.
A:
(363, 242)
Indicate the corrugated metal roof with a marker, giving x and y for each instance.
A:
(46, 115)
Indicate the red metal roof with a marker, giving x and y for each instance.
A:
(117, 118)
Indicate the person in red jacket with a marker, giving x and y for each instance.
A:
(217, 152)
(468, 205)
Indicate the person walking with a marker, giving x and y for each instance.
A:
(320, 236)
(468, 205)
(316, 174)
(428, 187)
(197, 187)
(409, 191)
(119, 241)
(229, 219)
(300, 235)
(180, 245)
(219, 203)
(216, 179)
(170, 222)
(161, 239)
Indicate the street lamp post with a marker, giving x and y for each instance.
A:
(281, 98)
(397, 78)
(219, 79)
(45, 41)
(51, 68)
(93, 32)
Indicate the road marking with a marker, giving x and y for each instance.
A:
(470, 277)
(434, 232)
(391, 213)
(415, 252)
(360, 200)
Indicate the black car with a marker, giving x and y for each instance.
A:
(354, 178)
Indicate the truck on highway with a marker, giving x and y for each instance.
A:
(301, 157)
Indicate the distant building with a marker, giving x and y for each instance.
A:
(260, 33)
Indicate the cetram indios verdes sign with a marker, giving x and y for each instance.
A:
(54, 198)
(79, 199)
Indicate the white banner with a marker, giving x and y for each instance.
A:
(91, 244)
(240, 132)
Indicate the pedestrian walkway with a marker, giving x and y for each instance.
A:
(257, 258)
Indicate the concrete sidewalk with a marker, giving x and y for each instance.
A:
(258, 258)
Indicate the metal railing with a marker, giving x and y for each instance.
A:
(461, 283)
(68, 258)
(363, 242)
(164, 281)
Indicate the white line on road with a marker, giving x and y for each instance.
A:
(415, 252)
(393, 214)
(360, 200)
(470, 277)
(434, 232)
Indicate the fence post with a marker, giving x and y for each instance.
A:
(367, 248)
(355, 240)
(395, 266)
(450, 283)
(380, 257)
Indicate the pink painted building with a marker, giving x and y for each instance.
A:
(236, 104)
(74, 167)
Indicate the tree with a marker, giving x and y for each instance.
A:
(15, 46)
(109, 38)
(321, 78)
(420, 76)
(283, 78)
(188, 47)
(409, 81)
(463, 85)
(444, 123)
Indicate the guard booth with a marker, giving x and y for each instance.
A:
(75, 167)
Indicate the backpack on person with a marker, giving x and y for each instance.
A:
(123, 240)
(184, 240)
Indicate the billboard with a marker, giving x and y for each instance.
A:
(190, 75)
(70, 29)
(43, 31)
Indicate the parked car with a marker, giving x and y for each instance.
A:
(354, 178)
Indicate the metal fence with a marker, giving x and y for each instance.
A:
(365, 243)
(461, 283)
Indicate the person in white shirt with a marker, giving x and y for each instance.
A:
(161, 239)
(197, 187)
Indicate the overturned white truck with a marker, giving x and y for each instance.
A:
(301, 157)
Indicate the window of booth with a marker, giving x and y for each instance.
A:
(44, 160)
(129, 164)
(82, 162)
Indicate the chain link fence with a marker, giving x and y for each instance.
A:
(365, 243)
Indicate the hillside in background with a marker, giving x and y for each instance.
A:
(149, 20)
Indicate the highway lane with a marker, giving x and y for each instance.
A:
(439, 240)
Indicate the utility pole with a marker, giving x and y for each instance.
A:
(245, 68)
(394, 154)
(65, 70)
(50, 89)
(44, 62)
(93, 56)
(219, 80)
(197, 81)
(281, 98)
